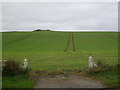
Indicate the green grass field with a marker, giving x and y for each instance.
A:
(45, 49)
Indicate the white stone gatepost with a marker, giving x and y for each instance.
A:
(90, 61)
(25, 63)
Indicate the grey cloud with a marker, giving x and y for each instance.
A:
(66, 16)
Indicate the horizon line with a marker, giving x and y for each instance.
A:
(63, 30)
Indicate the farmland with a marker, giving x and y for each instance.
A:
(45, 49)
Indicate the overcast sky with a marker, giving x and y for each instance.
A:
(59, 16)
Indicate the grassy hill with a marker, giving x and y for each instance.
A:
(47, 47)
(56, 41)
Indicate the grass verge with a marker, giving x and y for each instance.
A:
(21, 81)
(108, 75)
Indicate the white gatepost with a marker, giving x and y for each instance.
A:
(90, 61)
(25, 63)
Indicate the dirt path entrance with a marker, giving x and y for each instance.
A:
(71, 81)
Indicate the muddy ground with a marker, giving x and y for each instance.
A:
(70, 81)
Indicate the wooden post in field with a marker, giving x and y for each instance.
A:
(73, 44)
